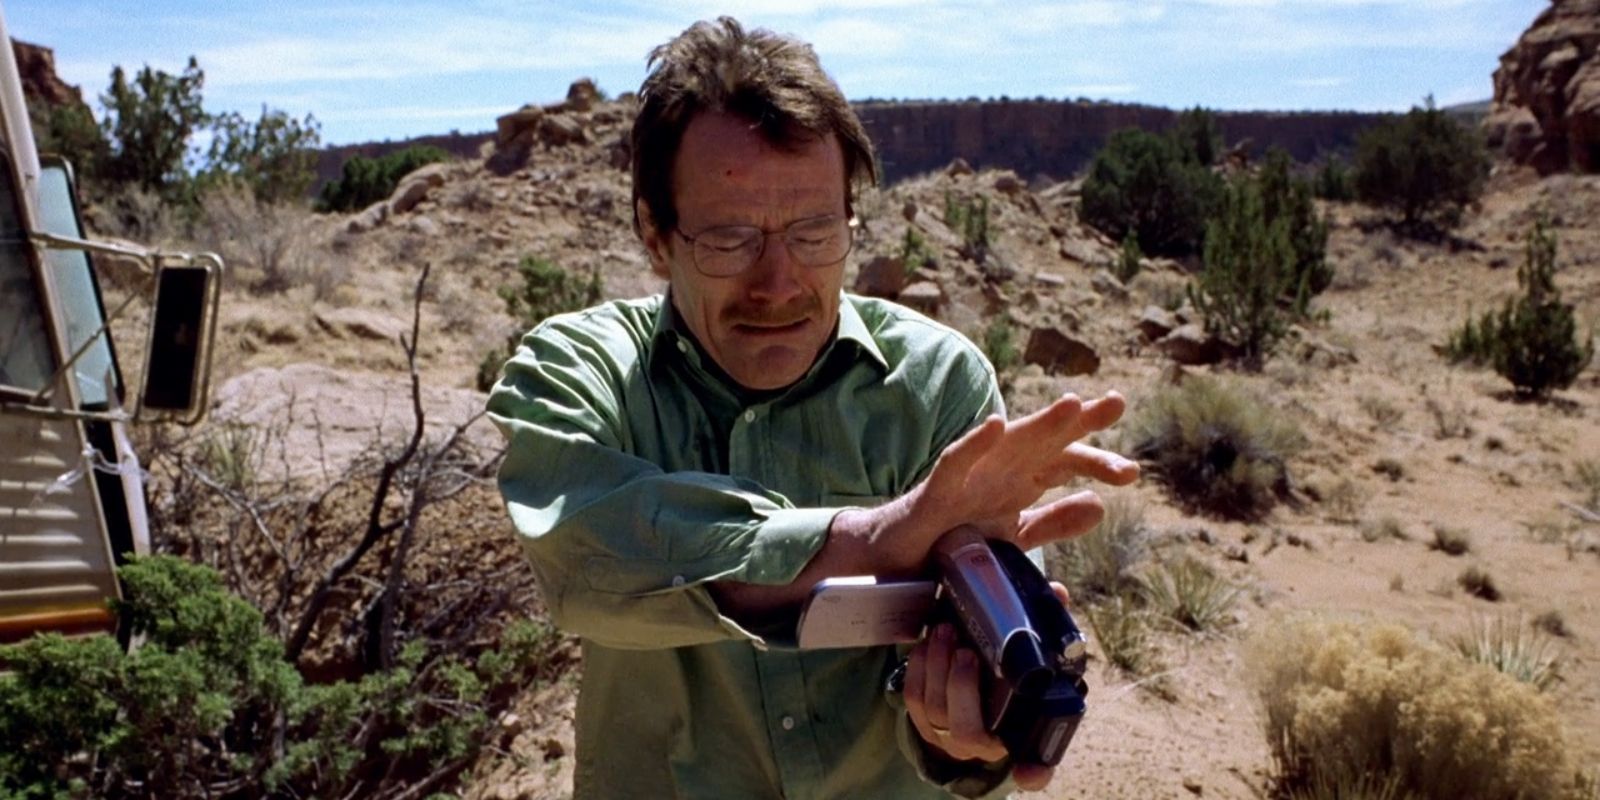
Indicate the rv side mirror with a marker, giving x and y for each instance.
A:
(177, 360)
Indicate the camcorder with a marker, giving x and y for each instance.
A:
(1033, 653)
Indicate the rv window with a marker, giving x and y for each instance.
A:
(96, 369)
(25, 358)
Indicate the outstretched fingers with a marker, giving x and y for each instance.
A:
(1071, 516)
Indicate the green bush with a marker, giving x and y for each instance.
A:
(148, 124)
(1334, 182)
(364, 181)
(1129, 259)
(1286, 197)
(970, 219)
(1216, 448)
(914, 251)
(1522, 651)
(1191, 594)
(1426, 166)
(1152, 187)
(1533, 340)
(1103, 563)
(1249, 269)
(207, 705)
(275, 156)
(1347, 702)
(1198, 136)
(546, 290)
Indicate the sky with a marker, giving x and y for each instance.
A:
(373, 71)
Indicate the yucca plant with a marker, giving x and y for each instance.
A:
(1515, 648)
(1191, 594)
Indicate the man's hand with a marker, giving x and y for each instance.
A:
(944, 698)
(992, 476)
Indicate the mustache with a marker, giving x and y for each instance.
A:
(754, 314)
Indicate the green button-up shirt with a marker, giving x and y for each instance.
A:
(636, 475)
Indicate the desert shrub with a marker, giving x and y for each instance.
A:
(1450, 541)
(1554, 623)
(546, 290)
(274, 156)
(1534, 340)
(272, 243)
(999, 344)
(1129, 259)
(1519, 650)
(1477, 582)
(1426, 166)
(970, 219)
(1373, 701)
(208, 705)
(1198, 136)
(1191, 594)
(914, 251)
(364, 181)
(1152, 187)
(1217, 448)
(1385, 415)
(1334, 182)
(1120, 628)
(1265, 258)
(70, 131)
(148, 124)
(1103, 563)
(1383, 528)
(1586, 479)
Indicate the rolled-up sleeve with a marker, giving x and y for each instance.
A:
(622, 549)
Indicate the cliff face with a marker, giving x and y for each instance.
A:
(1060, 138)
(1546, 109)
(1032, 137)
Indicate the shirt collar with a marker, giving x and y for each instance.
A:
(670, 338)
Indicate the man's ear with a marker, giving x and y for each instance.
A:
(655, 240)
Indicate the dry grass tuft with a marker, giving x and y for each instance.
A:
(1378, 703)
(1191, 594)
(1123, 633)
(1479, 583)
(1450, 541)
(1101, 564)
(1516, 649)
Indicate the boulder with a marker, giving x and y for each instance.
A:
(883, 276)
(582, 95)
(414, 188)
(1189, 345)
(520, 123)
(958, 167)
(560, 130)
(1546, 108)
(1007, 183)
(924, 296)
(1059, 353)
(1156, 322)
(359, 323)
(1107, 285)
(370, 218)
(423, 226)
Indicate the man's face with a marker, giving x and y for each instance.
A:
(766, 325)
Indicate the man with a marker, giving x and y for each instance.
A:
(682, 470)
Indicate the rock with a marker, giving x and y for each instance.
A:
(1193, 785)
(958, 167)
(1156, 322)
(370, 218)
(1007, 183)
(582, 95)
(924, 296)
(520, 123)
(414, 188)
(1107, 284)
(560, 130)
(359, 323)
(1084, 251)
(1059, 353)
(620, 154)
(1189, 345)
(884, 276)
(424, 226)
(1546, 108)
(1049, 279)
(909, 211)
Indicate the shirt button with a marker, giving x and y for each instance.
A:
(788, 723)
(677, 580)
(683, 346)
(750, 415)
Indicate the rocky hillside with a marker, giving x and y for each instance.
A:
(1546, 111)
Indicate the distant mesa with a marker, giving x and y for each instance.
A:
(1546, 111)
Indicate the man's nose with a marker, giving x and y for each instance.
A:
(775, 277)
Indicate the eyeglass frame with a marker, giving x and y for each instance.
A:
(852, 224)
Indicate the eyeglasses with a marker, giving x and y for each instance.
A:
(728, 250)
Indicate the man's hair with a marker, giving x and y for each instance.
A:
(773, 81)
